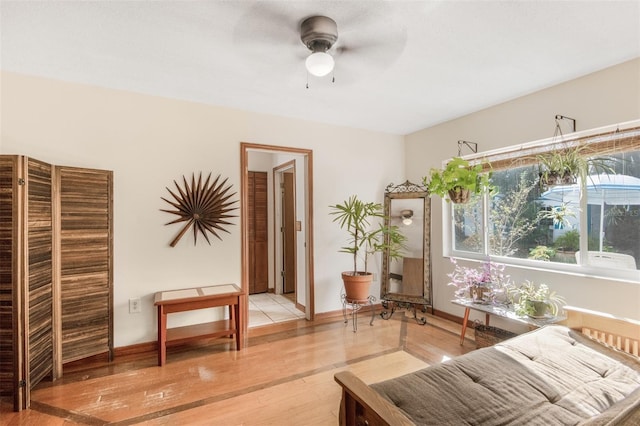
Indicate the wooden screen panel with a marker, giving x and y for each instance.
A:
(8, 231)
(85, 262)
(40, 271)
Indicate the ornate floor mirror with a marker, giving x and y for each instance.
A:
(406, 281)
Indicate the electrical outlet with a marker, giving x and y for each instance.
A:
(135, 306)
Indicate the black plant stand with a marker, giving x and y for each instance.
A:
(385, 314)
(356, 305)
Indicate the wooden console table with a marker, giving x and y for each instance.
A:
(500, 311)
(189, 299)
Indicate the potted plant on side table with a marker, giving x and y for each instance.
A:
(458, 180)
(536, 300)
(356, 216)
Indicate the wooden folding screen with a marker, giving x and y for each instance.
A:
(39, 231)
(11, 359)
(26, 278)
(55, 249)
(85, 244)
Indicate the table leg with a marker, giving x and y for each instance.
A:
(486, 319)
(354, 315)
(373, 312)
(344, 310)
(232, 318)
(238, 308)
(464, 324)
(162, 336)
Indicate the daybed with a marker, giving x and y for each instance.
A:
(555, 375)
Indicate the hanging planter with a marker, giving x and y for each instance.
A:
(570, 161)
(565, 166)
(554, 178)
(459, 195)
(458, 181)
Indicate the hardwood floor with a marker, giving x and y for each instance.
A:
(283, 377)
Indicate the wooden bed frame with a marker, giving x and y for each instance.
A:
(361, 405)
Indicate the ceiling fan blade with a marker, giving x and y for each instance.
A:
(268, 23)
(364, 58)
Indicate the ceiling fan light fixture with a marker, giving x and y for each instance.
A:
(407, 217)
(319, 64)
(319, 33)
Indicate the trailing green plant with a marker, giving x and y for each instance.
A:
(355, 216)
(458, 175)
(564, 166)
(527, 294)
(542, 253)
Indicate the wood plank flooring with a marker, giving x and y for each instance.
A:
(283, 377)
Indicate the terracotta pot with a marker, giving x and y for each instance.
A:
(459, 195)
(357, 286)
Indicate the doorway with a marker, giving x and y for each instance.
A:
(294, 165)
(284, 178)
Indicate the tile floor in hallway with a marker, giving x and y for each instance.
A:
(269, 308)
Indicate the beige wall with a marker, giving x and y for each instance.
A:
(150, 141)
(607, 97)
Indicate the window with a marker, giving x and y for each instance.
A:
(591, 226)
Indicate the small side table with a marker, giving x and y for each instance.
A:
(356, 305)
(190, 299)
(502, 311)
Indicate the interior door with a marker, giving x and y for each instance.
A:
(289, 232)
(258, 236)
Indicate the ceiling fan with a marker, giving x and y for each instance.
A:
(270, 34)
(319, 33)
(406, 215)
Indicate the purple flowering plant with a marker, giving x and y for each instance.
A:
(489, 274)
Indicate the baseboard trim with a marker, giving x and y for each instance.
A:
(136, 349)
(146, 347)
(451, 317)
(339, 313)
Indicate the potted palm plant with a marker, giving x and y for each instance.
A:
(458, 180)
(356, 216)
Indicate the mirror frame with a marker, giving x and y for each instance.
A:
(408, 190)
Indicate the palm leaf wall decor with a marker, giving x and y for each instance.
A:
(203, 206)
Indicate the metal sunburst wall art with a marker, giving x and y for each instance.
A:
(203, 206)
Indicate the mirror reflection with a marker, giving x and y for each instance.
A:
(406, 275)
(406, 281)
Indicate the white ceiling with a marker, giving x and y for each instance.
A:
(401, 66)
